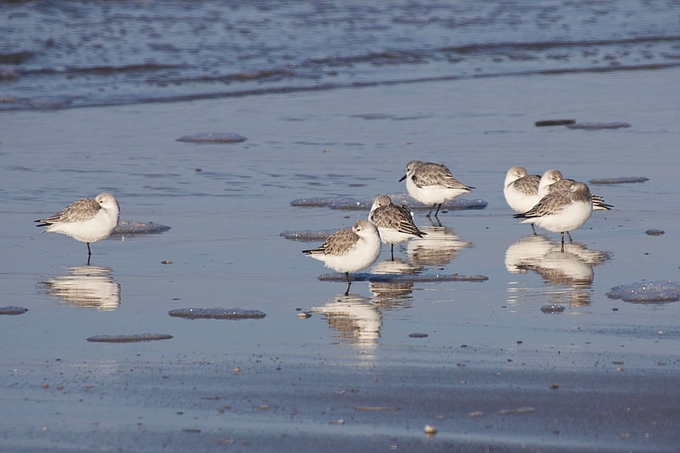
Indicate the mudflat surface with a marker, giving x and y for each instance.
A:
(479, 361)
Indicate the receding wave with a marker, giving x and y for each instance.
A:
(66, 56)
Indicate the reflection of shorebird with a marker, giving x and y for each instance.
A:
(561, 211)
(349, 250)
(435, 249)
(389, 293)
(85, 220)
(521, 190)
(86, 286)
(552, 181)
(571, 266)
(394, 222)
(526, 252)
(354, 317)
(432, 184)
(564, 268)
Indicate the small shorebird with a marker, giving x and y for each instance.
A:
(521, 190)
(431, 183)
(561, 211)
(394, 222)
(552, 181)
(85, 220)
(349, 250)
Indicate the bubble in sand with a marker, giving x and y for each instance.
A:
(552, 308)
(131, 228)
(213, 137)
(620, 180)
(216, 313)
(12, 310)
(647, 292)
(136, 338)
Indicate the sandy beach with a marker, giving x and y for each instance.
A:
(486, 367)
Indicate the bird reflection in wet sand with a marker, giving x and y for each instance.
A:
(437, 248)
(571, 266)
(354, 318)
(388, 294)
(86, 287)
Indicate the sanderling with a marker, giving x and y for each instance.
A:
(431, 183)
(85, 220)
(521, 190)
(561, 211)
(349, 250)
(552, 181)
(394, 222)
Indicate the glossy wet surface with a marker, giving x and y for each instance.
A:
(481, 361)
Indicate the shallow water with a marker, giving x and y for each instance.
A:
(483, 375)
(60, 55)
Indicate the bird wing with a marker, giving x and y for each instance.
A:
(79, 210)
(338, 243)
(527, 185)
(436, 175)
(550, 204)
(397, 217)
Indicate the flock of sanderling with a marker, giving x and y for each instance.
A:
(549, 201)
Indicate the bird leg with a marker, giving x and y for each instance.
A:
(89, 252)
(533, 229)
(349, 283)
(392, 251)
(570, 239)
(562, 233)
(438, 208)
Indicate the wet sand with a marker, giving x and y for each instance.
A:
(493, 372)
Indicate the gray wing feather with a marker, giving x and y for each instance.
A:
(437, 175)
(78, 211)
(338, 243)
(528, 185)
(396, 217)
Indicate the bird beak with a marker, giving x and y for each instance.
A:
(402, 178)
